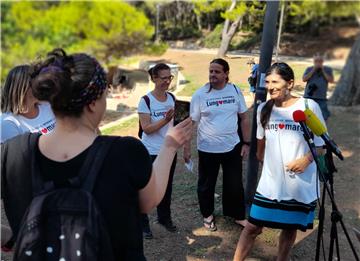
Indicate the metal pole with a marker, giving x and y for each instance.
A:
(279, 31)
(267, 46)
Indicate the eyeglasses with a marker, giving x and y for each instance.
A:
(167, 78)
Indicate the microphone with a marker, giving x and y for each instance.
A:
(316, 126)
(300, 117)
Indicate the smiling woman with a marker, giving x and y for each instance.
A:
(287, 191)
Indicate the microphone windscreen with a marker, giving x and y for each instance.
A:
(314, 124)
(299, 116)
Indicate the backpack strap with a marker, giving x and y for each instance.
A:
(38, 184)
(94, 161)
(172, 96)
(236, 89)
(147, 100)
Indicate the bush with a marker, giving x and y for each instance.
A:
(156, 48)
(213, 39)
(179, 32)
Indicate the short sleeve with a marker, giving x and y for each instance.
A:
(9, 130)
(139, 162)
(329, 71)
(242, 104)
(260, 131)
(195, 108)
(307, 70)
(142, 107)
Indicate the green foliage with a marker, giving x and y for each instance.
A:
(104, 29)
(156, 48)
(213, 39)
(307, 11)
(239, 10)
(125, 125)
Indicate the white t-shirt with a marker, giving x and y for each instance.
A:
(157, 112)
(216, 113)
(285, 143)
(14, 125)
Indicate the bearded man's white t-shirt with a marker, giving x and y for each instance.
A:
(284, 142)
(157, 112)
(217, 114)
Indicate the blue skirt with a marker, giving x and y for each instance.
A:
(284, 214)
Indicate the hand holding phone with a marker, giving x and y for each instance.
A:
(182, 111)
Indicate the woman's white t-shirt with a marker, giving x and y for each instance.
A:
(284, 142)
(154, 141)
(14, 125)
(217, 114)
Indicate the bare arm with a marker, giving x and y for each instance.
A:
(245, 125)
(151, 195)
(245, 129)
(151, 127)
(328, 77)
(187, 146)
(260, 149)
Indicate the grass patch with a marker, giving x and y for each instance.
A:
(191, 87)
(126, 125)
(299, 70)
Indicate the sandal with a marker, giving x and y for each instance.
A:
(210, 225)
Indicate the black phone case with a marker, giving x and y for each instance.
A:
(182, 111)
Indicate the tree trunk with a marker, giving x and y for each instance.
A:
(347, 92)
(228, 32)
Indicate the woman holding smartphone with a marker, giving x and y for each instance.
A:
(156, 112)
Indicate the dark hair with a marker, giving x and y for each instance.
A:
(287, 74)
(225, 66)
(16, 86)
(154, 71)
(69, 83)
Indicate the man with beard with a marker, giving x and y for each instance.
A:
(216, 107)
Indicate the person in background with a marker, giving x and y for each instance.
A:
(156, 111)
(215, 107)
(317, 78)
(21, 111)
(286, 195)
(252, 79)
(128, 183)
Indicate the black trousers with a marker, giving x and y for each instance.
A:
(163, 209)
(233, 191)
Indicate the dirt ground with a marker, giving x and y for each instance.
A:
(193, 243)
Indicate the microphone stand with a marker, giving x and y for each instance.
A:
(336, 215)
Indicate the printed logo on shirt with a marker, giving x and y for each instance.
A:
(220, 101)
(48, 128)
(158, 114)
(283, 126)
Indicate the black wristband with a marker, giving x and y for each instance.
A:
(246, 143)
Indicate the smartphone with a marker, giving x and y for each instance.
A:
(182, 111)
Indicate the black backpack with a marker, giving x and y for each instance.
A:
(147, 101)
(65, 224)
